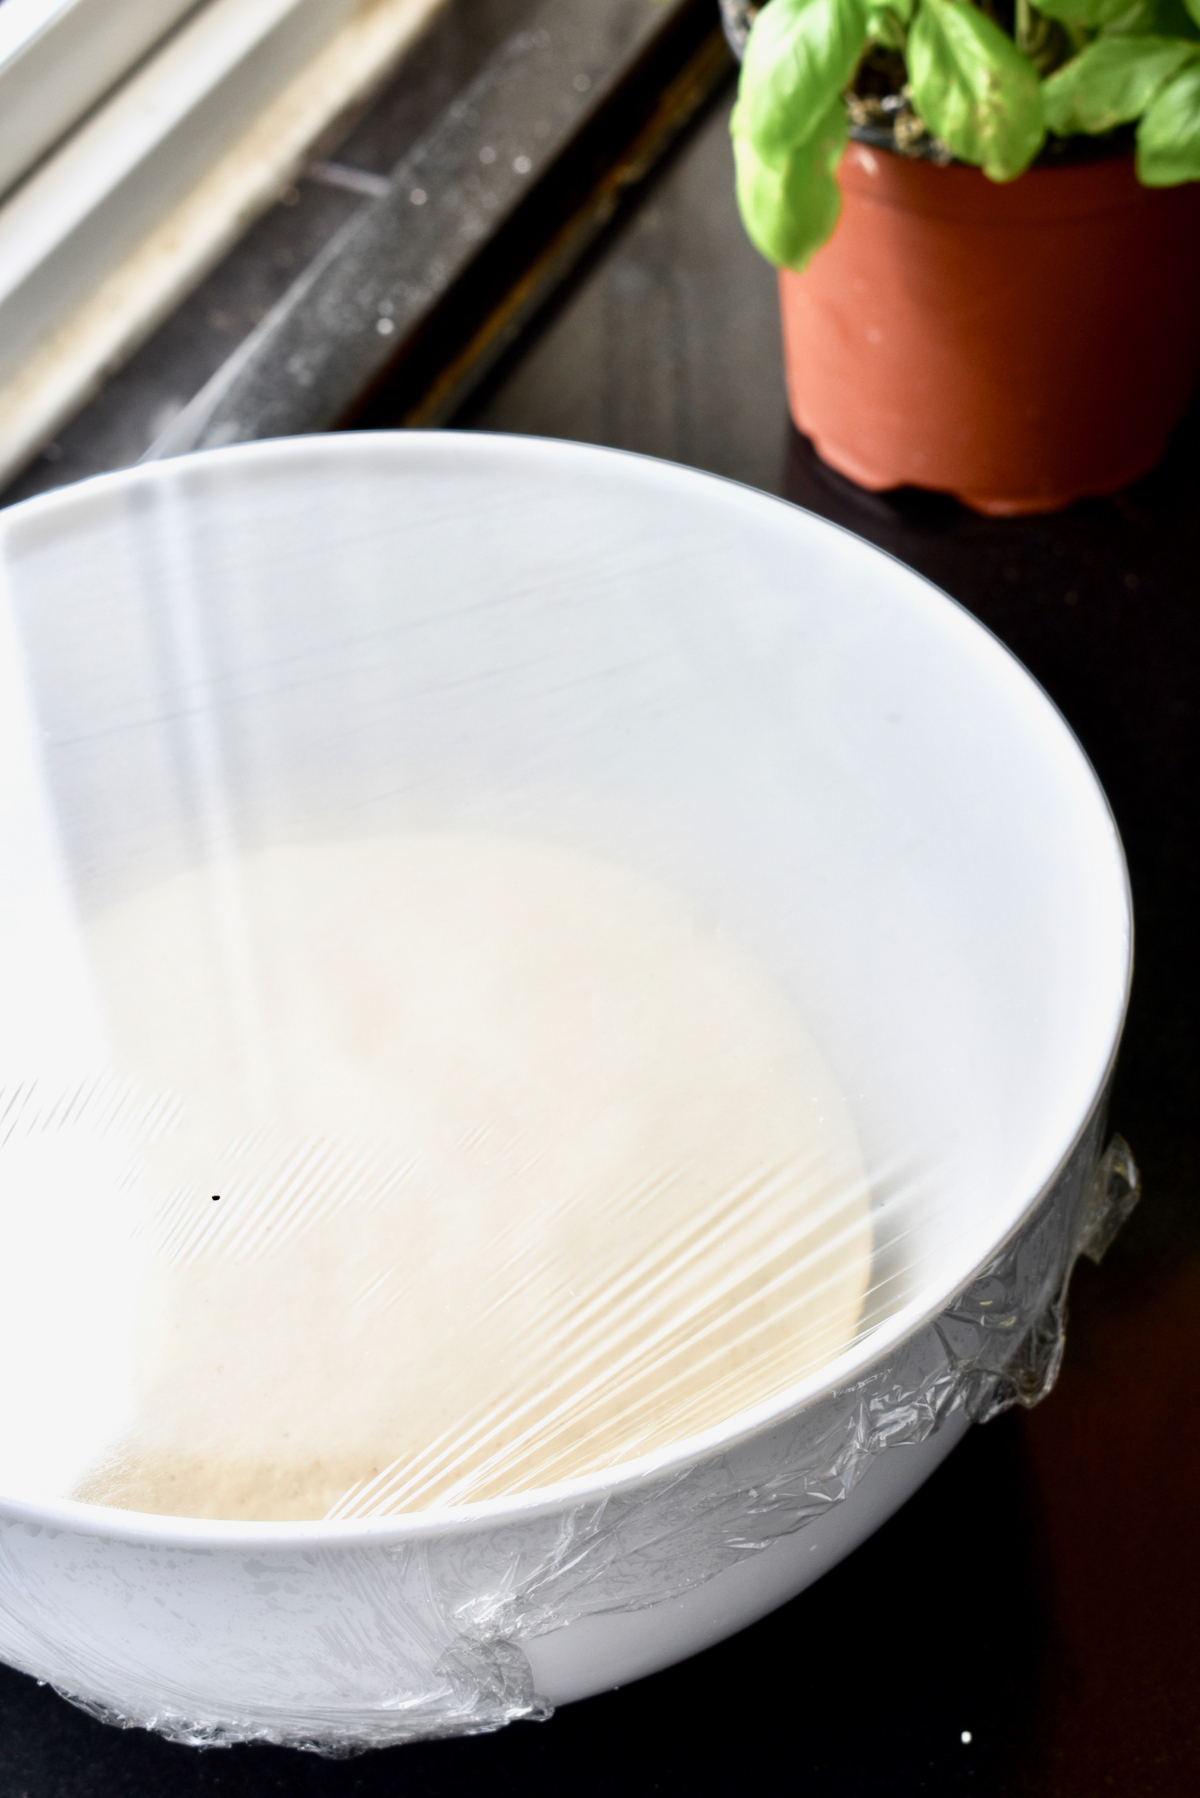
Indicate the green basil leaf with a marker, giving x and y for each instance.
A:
(1168, 137)
(886, 25)
(888, 21)
(1153, 18)
(790, 206)
(974, 88)
(1193, 7)
(789, 125)
(800, 55)
(1090, 13)
(1111, 82)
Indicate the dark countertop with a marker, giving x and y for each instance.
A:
(1030, 1622)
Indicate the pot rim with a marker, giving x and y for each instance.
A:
(856, 1363)
(1079, 149)
(1046, 194)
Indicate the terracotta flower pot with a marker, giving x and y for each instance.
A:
(1018, 346)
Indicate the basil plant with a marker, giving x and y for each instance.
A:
(988, 95)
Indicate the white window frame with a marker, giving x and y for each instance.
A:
(112, 227)
(59, 57)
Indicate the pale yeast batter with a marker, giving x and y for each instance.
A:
(524, 1168)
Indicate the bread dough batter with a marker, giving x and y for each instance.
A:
(497, 1164)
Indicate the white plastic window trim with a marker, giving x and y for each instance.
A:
(59, 57)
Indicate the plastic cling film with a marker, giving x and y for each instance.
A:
(481, 1165)
(437, 1626)
(605, 1195)
(533, 983)
(488, 1166)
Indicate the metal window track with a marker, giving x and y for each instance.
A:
(414, 299)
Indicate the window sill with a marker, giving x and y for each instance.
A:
(101, 242)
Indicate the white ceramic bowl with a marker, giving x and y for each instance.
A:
(676, 673)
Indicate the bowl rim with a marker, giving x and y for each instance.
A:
(854, 1364)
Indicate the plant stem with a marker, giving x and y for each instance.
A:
(1044, 41)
